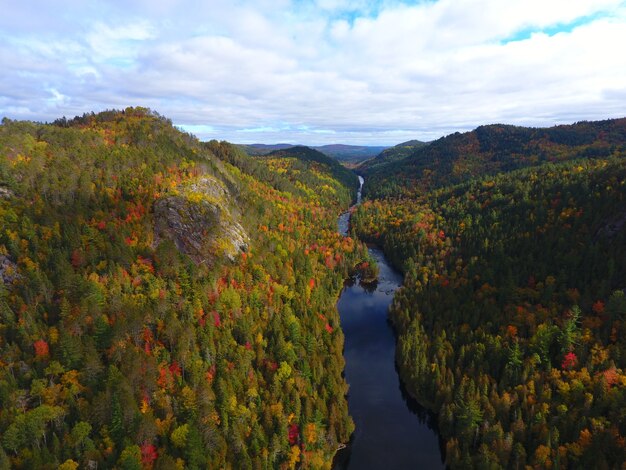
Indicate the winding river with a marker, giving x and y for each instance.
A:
(392, 430)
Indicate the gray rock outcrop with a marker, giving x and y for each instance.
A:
(201, 222)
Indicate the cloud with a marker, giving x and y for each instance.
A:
(318, 71)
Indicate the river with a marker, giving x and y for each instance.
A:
(392, 430)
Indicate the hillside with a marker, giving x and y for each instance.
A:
(262, 149)
(391, 154)
(350, 153)
(294, 162)
(511, 319)
(491, 149)
(347, 154)
(166, 303)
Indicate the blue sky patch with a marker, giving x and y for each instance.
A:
(552, 30)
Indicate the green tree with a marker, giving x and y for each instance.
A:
(130, 458)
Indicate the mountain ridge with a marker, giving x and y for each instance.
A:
(496, 147)
(347, 153)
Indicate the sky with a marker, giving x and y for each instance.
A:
(367, 72)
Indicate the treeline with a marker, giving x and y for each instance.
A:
(117, 350)
(512, 316)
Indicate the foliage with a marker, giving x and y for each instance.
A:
(119, 350)
(511, 319)
(347, 154)
(491, 149)
(397, 152)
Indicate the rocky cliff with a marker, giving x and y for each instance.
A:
(201, 221)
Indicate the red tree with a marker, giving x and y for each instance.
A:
(41, 348)
(569, 361)
(148, 454)
(294, 433)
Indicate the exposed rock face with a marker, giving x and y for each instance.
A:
(201, 222)
(8, 270)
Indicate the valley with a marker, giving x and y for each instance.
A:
(172, 303)
(391, 428)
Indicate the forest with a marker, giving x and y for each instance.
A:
(512, 318)
(167, 303)
(488, 149)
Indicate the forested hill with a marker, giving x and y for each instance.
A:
(347, 154)
(262, 149)
(350, 153)
(491, 149)
(512, 317)
(302, 158)
(390, 154)
(166, 303)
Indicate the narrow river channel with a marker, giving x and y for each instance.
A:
(392, 430)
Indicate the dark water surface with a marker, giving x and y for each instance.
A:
(392, 430)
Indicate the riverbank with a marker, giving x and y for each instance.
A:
(392, 429)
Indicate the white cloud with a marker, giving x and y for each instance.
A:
(320, 71)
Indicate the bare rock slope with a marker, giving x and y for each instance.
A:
(201, 221)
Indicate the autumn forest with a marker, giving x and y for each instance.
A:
(168, 303)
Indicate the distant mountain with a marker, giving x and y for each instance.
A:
(350, 153)
(394, 153)
(263, 149)
(344, 153)
(493, 148)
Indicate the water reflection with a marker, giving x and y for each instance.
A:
(368, 286)
(392, 430)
